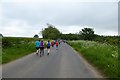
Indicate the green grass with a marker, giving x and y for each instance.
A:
(0, 55)
(15, 52)
(16, 47)
(103, 56)
(0, 50)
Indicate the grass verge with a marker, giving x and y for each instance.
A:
(15, 52)
(0, 55)
(103, 56)
(15, 47)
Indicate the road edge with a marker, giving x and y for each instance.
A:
(97, 73)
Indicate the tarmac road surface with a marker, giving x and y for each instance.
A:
(61, 63)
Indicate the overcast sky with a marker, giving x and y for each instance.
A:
(25, 18)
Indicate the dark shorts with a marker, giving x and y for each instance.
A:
(37, 48)
(52, 45)
(41, 48)
(48, 47)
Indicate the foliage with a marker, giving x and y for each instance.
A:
(87, 33)
(69, 36)
(1, 35)
(103, 56)
(113, 40)
(12, 41)
(16, 47)
(0, 55)
(36, 36)
(0, 50)
(51, 32)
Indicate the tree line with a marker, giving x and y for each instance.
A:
(51, 32)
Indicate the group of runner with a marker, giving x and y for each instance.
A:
(39, 44)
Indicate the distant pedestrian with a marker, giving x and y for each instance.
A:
(41, 48)
(52, 43)
(48, 47)
(37, 43)
(59, 41)
(57, 45)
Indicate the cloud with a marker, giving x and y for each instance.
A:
(69, 29)
(21, 18)
(107, 33)
(18, 28)
(60, 1)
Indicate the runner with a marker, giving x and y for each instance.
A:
(37, 43)
(48, 47)
(57, 45)
(41, 48)
(52, 43)
(59, 41)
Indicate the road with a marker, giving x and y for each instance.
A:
(61, 63)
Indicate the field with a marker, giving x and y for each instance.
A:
(13, 48)
(16, 47)
(0, 50)
(0, 55)
(103, 56)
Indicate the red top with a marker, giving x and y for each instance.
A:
(57, 43)
(52, 43)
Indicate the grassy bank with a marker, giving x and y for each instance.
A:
(103, 56)
(0, 55)
(14, 48)
(0, 50)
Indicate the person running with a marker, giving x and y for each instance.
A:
(48, 47)
(41, 48)
(52, 43)
(37, 43)
(57, 45)
(59, 41)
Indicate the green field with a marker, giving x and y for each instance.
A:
(16, 47)
(0, 55)
(0, 50)
(101, 55)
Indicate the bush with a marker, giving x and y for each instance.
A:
(103, 56)
(14, 48)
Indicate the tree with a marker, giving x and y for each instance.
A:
(70, 36)
(1, 35)
(87, 34)
(36, 36)
(51, 32)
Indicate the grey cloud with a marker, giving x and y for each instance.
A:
(97, 15)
